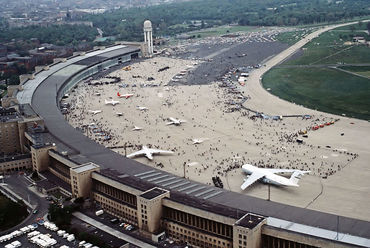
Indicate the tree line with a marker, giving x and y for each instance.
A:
(127, 23)
(60, 35)
(174, 18)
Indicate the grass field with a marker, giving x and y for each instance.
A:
(362, 70)
(11, 213)
(221, 30)
(291, 38)
(323, 89)
(329, 48)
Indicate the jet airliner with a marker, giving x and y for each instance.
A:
(269, 176)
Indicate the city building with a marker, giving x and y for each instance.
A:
(9, 137)
(15, 163)
(14, 126)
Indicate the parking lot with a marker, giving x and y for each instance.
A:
(110, 240)
(119, 225)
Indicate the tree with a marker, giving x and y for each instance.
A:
(13, 80)
(11, 213)
(79, 200)
(61, 216)
(35, 176)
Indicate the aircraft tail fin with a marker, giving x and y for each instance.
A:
(118, 94)
(296, 176)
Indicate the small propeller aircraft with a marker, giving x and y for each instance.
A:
(111, 102)
(198, 141)
(141, 108)
(124, 95)
(174, 121)
(136, 128)
(94, 112)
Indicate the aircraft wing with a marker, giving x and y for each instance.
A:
(294, 178)
(281, 170)
(251, 179)
(169, 123)
(135, 154)
(156, 151)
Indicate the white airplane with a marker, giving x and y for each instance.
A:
(198, 141)
(124, 95)
(174, 121)
(119, 114)
(269, 176)
(112, 102)
(94, 112)
(149, 152)
(141, 108)
(136, 128)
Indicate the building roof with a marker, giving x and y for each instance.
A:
(90, 60)
(42, 145)
(153, 193)
(250, 221)
(85, 167)
(46, 184)
(27, 111)
(126, 179)
(14, 158)
(9, 115)
(207, 205)
(7, 111)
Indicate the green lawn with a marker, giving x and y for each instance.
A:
(327, 89)
(329, 48)
(324, 89)
(362, 70)
(293, 36)
(221, 30)
(11, 213)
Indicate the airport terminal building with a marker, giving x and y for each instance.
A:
(34, 134)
